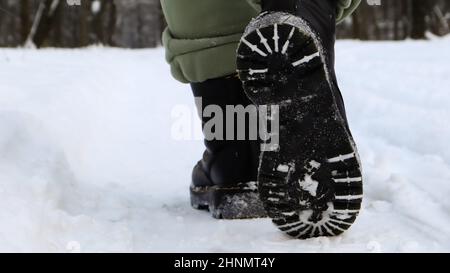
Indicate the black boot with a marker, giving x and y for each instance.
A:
(312, 185)
(224, 181)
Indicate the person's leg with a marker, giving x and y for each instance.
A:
(201, 42)
(312, 185)
(202, 35)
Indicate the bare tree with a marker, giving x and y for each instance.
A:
(138, 23)
(418, 18)
(42, 23)
(25, 22)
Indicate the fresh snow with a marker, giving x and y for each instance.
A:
(88, 162)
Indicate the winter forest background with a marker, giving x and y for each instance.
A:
(139, 23)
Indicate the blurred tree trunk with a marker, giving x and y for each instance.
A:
(43, 22)
(85, 11)
(25, 23)
(138, 23)
(10, 23)
(104, 22)
(418, 18)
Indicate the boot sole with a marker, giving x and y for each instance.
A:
(239, 202)
(311, 185)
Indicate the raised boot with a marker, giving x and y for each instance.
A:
(312, 185)
(224, 181)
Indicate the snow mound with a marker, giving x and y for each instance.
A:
(37, 187)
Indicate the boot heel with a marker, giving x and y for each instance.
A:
(239, 202)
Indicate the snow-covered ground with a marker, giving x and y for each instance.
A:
(88, 161)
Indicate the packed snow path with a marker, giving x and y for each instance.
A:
(88, 161)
